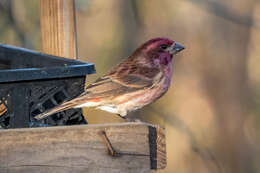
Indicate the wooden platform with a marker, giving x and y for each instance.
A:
(81, 149)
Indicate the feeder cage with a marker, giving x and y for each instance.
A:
(33, 82)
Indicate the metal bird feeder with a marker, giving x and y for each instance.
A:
(32, 82)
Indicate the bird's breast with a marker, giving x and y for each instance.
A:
(138, 99)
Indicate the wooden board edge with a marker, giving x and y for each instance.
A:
(157, 147)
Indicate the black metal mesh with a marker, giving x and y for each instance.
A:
(34, 97)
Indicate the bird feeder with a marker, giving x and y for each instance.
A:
(33, 82)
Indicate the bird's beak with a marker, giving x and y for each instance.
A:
(175, 48)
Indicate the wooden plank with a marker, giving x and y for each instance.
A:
(58, 27)
(81, 149)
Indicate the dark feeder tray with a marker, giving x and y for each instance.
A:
(32, 82)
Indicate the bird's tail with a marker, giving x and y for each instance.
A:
(64, 106)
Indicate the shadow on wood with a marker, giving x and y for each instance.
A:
(81, 149)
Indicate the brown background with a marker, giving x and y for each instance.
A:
(211, 112)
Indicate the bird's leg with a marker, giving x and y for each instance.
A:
(129, 119)
(123, 117)
(108, 144)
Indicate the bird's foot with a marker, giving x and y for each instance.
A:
(127, 119)
(111, 150)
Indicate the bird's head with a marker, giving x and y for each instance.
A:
(159, 51)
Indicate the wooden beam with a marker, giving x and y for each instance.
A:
(58, 27)
(81, 149)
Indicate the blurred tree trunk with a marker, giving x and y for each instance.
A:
(130, 21)
(6, 10)
(227, 88)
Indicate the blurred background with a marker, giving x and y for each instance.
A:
(212, 110)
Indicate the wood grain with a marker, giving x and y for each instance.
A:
(81, 149)
(58, 27)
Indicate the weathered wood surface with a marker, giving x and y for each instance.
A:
(58, 27)
(81, 149)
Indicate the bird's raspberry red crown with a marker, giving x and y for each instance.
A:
(156, 43)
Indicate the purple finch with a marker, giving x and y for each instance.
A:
(139, 80)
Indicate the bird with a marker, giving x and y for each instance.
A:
(137, 81)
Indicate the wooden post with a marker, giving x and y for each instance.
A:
(81, 149)
(58, 27)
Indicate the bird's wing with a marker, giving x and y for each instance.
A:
(125, 77)
(110, 86)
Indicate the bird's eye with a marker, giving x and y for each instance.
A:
(164, 46)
